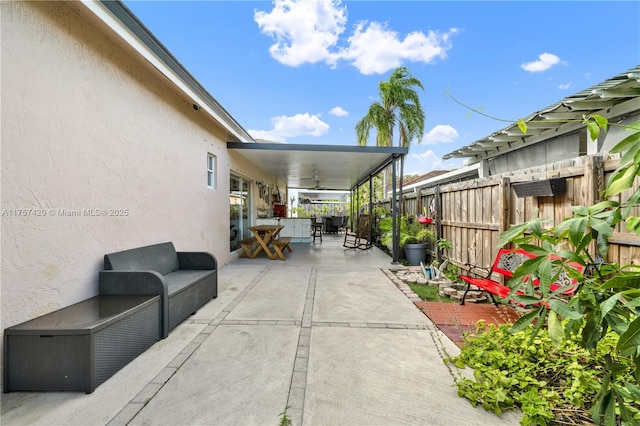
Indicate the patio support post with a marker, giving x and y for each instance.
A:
(370, 194)
(394, 214)
(371, 206)
(438, 220)
(403, 210)
(353, 195)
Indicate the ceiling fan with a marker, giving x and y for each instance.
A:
(316, 180)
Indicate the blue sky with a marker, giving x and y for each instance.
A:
(306, 72)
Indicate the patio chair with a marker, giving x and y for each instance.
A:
(343, 224)
(316, 228)
(334, 224)
(360, 238)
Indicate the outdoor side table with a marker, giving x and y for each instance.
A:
(79, 347)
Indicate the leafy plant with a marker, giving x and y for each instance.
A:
(380, 211)
(602, 317)
(550, 383)
(411, 231)
(284, 420)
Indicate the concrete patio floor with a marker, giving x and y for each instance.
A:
(325, 333)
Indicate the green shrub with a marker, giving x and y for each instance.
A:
(550, 384)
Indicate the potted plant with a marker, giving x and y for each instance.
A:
(413, 238)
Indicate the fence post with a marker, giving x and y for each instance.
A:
(438, 206)
(594, 179)
(504, 204)
(594, 185)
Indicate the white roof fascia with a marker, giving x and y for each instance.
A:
(442, 178)
(123, 31)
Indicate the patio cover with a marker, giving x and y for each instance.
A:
(326, 167)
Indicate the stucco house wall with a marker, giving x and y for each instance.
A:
(99, 153)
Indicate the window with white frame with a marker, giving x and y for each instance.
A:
(211, 171)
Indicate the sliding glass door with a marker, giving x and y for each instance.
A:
(239, 200)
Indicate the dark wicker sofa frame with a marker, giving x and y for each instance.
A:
(185, 281)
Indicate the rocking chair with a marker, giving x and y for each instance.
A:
(360, 238)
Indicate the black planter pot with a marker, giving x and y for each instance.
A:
(415, 253)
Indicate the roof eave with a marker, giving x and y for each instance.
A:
(119, 19)
(612, 98)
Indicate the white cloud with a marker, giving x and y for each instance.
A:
(422, 163)
(309, 32)
(544, 62)
(338, 112)
(373, 48)
(565, 86)
(291, 126)
(304, 31)
(442, 133)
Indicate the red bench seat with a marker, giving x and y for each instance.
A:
(505, 263)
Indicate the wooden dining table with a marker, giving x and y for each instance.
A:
(264, 236)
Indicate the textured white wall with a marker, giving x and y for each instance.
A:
(85, 127)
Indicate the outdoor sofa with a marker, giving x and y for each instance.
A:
(185, 281)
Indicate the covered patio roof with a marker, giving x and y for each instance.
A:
(322, 167)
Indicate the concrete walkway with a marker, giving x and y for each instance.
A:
(324, 333)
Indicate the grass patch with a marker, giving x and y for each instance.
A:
(429, 293)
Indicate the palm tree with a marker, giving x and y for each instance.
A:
(399, 104)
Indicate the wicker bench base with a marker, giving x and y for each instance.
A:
(79, 347)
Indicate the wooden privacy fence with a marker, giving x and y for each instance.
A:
(471, 214)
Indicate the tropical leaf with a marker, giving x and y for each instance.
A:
(621, 282)
(524, 321)
(594, 130)
(603, 205)
(522, 125)
(556, 331)
(577, 229)
(563, 309)
(634, 390)
(602, 121)
(631, 140)
(609, 304)
(603, 244)
(630, 339)
(633, 224)
(591, 333)
(621, 181)
(601, 226)
(632, 202)
(538, 324)
(512, 233)
(631, 155)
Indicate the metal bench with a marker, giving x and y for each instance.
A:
(505, 263)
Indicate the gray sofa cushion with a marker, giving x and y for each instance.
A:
(161, 258)
(178, 280)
